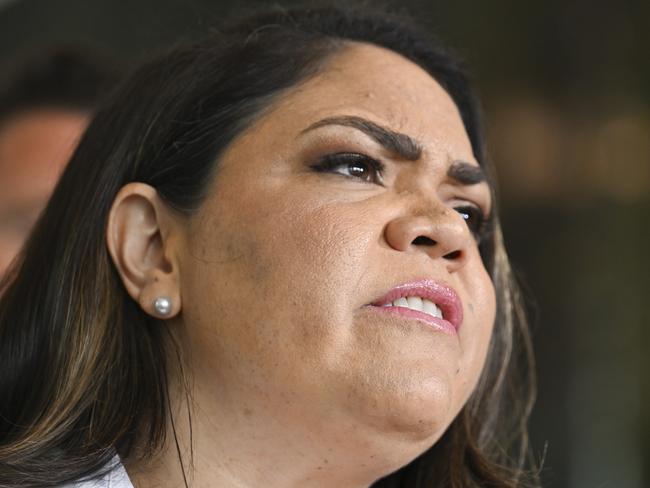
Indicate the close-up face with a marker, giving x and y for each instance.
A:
(315, 224)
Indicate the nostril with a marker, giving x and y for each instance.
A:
(452, 255)
(424, 241)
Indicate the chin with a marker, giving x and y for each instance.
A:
(415, 413)
(396, 440)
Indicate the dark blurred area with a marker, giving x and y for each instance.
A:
(566, 89)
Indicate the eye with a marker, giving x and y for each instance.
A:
(475, 220)
(352, 165)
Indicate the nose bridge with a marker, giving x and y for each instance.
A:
(421, 199)
(417, 177)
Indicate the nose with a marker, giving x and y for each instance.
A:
(440, 232)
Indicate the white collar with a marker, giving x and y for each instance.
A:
(115, 478)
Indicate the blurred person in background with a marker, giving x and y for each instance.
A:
(45, 104)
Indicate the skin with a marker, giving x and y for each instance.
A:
(295, 383)
(35, 146)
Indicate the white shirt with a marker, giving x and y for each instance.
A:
(116, 478)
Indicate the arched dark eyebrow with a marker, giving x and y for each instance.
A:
(466, 173)
(402, 145)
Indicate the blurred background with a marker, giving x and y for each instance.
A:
(566, 89)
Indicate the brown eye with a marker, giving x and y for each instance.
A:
(352, 165)
(475, 220)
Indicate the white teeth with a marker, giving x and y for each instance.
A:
(419, 304)
(431, 308)
(401, 302)
(415, 303)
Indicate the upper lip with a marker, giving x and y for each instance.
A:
(442, 295)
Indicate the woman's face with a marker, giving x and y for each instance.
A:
(282, 262)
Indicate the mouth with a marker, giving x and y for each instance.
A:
(432, 302)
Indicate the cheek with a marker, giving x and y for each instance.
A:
(274, 291)
(480, 314)
(277, 272)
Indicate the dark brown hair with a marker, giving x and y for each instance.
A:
(84, 371)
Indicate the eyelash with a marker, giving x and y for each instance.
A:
(331, 161)
(476, 221)
(474, 217)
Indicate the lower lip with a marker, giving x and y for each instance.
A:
(438, 324)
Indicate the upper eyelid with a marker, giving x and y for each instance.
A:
(362, 156)
(486, 210)
(485, 204)
(376, 164)
(383, 162)
(456, 167)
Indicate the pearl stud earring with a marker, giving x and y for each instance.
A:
(163, 305)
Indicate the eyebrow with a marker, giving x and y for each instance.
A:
(404, 146)
(466, 173)
(401, 144)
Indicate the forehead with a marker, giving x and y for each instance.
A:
(378, 84)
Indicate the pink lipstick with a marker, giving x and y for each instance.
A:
(444, 297)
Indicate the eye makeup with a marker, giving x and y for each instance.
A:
(361, 167)
(358, 166)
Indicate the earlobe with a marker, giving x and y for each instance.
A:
(139, 240)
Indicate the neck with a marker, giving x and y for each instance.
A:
(245, 447)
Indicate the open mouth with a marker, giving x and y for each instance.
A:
(426, 300)
(419, 304)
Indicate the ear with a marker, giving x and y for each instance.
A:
(141, 236)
